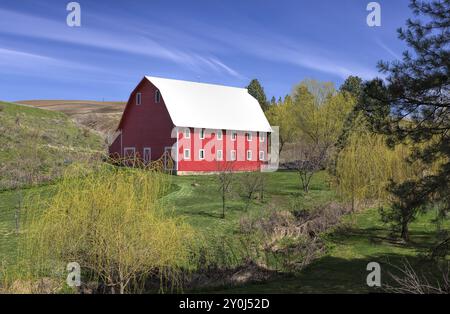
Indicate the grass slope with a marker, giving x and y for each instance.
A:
(36, 144)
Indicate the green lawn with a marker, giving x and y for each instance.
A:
(197, 198)
(343, 268)
(361, 239)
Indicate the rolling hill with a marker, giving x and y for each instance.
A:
(102, 117)
(36, 144)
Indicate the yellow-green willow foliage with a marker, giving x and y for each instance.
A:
(366, 165)
(113, 222)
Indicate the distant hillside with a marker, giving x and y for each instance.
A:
(102, 117)
(36, 144)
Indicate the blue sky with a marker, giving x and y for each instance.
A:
(217, 41)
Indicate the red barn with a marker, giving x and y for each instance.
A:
(203, 126)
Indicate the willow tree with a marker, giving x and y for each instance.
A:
(113, 223)
(366, 166)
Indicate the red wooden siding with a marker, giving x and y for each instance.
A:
(211, 144)
(144, 125)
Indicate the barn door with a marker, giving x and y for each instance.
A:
(129, 156)
(167, 159)
(129, 152)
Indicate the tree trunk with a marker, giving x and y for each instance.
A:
(405, 231)
(223, 205)
(280, 148)
(353, 199)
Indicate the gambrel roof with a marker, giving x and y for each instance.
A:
(211, 106)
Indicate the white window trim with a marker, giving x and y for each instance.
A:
(138, 99)
(233, 136)
(261, 153)
(247, 155)
(262, 137)
(188, 134)
(233, 155)
(187, 150)
(149, 149)
(219, 135)
(200, 155)
(157, 96)
(202, 134)
(221, 154)
(249, 136)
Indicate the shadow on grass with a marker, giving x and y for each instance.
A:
(336, 275)
(419, 240)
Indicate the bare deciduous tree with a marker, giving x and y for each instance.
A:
(312, 158)
(251, 183)
(224, 179)
(408, 281)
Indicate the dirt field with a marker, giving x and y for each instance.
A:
(102, 117)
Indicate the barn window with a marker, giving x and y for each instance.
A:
(157, 96)
(262, 137)
(201, 154)
(187, 133)
(147, 154)
(233, 155)
(129, 152)
(261, 155)
(187, 154)
(233, 136)
(138, 98)
(202, 134)
(249, 136)
(219, 135)
(249, 155)
(219, 155)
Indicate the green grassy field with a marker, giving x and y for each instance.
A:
(343, 268)
(197, 198)
(362, 239)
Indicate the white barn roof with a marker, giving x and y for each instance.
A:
(210, 106)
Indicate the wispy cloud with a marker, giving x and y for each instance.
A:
(10, 58)
(110, 37)
(388, 50)
(267, 45)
